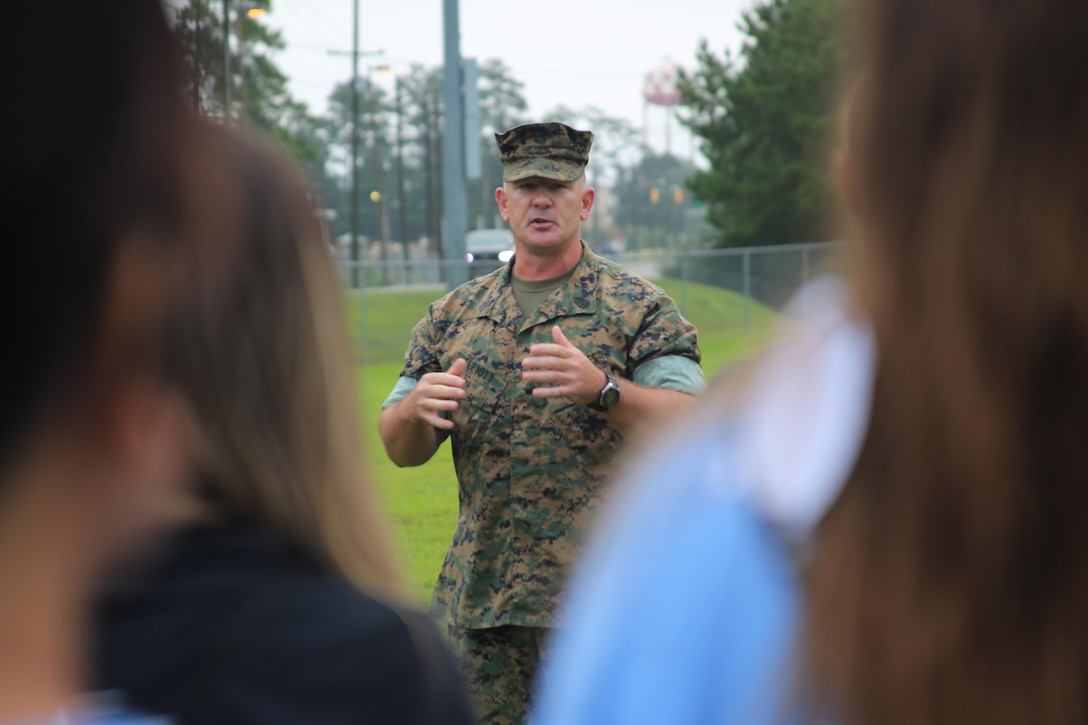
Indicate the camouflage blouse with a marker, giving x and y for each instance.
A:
(532, 471)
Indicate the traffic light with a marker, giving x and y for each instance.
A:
(655, 195)
(677, 195)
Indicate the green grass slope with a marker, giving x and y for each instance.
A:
(729, 328)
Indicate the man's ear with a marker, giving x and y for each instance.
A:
(500, 199)
(588, 195)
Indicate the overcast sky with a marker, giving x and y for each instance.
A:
(574, 52)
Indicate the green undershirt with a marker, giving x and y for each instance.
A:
(530, 294)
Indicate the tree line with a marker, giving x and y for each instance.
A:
(762, 119)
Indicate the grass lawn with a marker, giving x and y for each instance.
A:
(422, 502)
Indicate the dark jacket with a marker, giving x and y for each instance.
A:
(233, 624)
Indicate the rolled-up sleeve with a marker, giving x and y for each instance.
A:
(674, 372)
(665, 351)
(404, 386)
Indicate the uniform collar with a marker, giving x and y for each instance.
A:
(577, 297)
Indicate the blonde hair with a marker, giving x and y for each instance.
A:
(268, 370)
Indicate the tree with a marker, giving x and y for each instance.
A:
(422, 108)
(502, 99)
(416, 106)
(502, 106)
(375, 147)
(764, 123)
(258, 88)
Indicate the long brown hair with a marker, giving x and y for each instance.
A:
(950, 583)
(269, 374)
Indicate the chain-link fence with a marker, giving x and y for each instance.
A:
(388, 297)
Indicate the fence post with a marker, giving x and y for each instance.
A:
(363, 318)
(683, 282)
(804, 279)
(747, 286)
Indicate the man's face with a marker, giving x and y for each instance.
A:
(545, 215)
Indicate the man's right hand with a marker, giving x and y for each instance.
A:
(436, 392)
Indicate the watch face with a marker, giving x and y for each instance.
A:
(610, 396)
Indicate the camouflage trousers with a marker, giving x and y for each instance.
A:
(500, 668)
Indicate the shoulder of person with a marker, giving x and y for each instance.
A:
(615, 280)
(324, 651)
(467, 296)
(324, 615)
(237, 625)
(688, 562)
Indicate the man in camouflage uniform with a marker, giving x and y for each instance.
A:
(536, 371)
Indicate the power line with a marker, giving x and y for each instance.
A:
(301, 22)
(337, 29)
(325, 20)
(322, 49)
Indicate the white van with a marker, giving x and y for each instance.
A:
(489, 244)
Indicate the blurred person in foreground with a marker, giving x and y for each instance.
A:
(884, 523)
(93, 198)
(278, 599)
(537, 371)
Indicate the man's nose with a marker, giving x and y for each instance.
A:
(542, 198)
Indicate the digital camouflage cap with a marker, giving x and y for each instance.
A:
(549, 150)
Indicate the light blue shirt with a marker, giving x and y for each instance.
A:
(104, 707)
(685, 614)
(687, 607)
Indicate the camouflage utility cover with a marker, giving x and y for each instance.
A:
(549, 150)
(532, 471)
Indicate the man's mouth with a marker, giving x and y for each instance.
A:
(540, 223)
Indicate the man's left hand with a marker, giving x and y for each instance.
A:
(562, 371)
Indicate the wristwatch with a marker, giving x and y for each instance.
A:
(609, 396)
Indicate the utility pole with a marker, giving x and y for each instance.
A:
(355, 53)
(453, 149)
